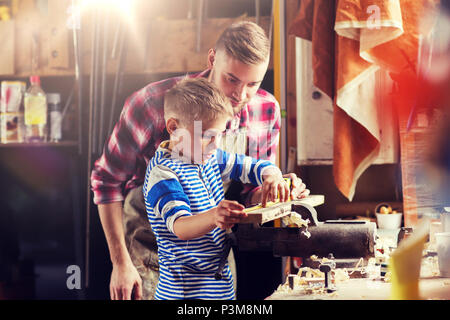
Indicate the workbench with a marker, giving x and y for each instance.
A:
(369, 279)
(434, 288)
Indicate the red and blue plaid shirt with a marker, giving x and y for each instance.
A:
(141, 128)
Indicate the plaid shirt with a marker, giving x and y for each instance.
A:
(141, 128)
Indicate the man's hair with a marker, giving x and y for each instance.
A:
(245, 41)
(196, 99)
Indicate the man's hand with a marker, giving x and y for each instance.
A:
(227, 213)
(298, 188)
(125, 280)
(274, 186)
(126, 283)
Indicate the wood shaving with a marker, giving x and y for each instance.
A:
(306, 233)
(340, 275)
(310, 273)
(295, 218)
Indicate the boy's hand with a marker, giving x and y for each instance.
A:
(227, 213)
(274, 185)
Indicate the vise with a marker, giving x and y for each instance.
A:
(343, 239)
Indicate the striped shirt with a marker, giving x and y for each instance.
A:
(141, 128)
(174, 189)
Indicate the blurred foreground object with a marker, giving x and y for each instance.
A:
(436, 77)
(405, 263)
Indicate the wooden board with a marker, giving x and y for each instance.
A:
(58, 51)
(171, 43)
(292, 7)
(7, 51)
(258, 214)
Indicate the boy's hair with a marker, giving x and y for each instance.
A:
(245, 41)
(196, 99)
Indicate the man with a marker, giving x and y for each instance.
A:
(237, 65)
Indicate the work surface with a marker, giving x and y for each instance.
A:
(434, 288)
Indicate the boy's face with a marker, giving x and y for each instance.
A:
(238, 81)
(199, 140)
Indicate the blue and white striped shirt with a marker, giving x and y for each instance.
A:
(173, 189)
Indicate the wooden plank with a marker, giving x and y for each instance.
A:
(7, 51)
(278, 73)
(292, 7)
(26, 25)
(58, 51)
(171, 44)
(45, 44)
(275, 210)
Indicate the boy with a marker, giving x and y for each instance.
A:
(184, 195)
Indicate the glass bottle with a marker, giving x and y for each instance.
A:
(35, 104)
(55, 116)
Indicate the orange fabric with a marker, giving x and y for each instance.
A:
(369, 34)
(401, 54)
(361, 25)
(356, 10)
(353, 143)
(315, 22)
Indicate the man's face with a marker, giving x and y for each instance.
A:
(237, 80)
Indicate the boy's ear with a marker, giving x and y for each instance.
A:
(211, 57)
(171, 125)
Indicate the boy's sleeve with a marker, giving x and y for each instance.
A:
(242, 168)
(165, 195)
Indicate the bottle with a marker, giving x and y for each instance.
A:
(35, 103)
(55, 116)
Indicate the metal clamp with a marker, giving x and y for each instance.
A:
(326, 268)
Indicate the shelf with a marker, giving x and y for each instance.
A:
(40, 144)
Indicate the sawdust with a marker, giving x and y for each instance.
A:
(297, 220)
(310, 273)
(310, 281)
(341, 275)
(305, 290)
